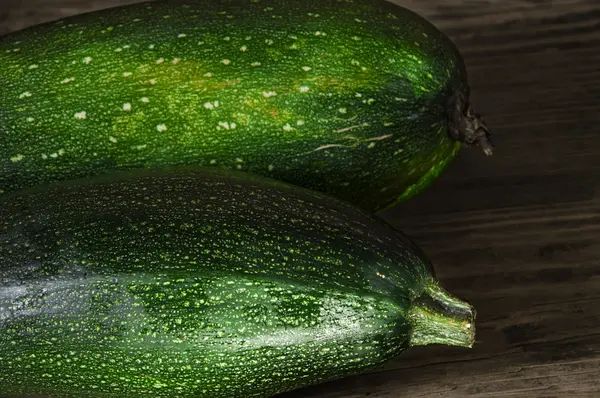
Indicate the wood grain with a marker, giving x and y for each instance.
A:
(516, 234)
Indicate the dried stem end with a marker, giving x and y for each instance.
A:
(467, 126)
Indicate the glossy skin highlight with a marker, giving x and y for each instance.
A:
(347, 98)
(200, 282)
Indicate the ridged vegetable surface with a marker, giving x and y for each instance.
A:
(362, 99)
(205, 283)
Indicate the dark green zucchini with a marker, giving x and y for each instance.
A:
(362, 99)
(205, 283)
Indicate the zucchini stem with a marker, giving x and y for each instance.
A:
(439, 318)
(467, 126)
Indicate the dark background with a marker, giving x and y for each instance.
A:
(516, 234)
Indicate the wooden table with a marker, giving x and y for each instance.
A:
(516, 234)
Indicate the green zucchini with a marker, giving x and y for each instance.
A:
(362, 99)
(201, 282)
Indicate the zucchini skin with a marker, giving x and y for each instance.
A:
(349, 98)
(188, 282)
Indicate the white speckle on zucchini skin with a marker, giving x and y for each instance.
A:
(308, 67)
(17, 158)
(225, 125)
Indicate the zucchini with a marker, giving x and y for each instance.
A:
(201, 282)
(364, 100)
